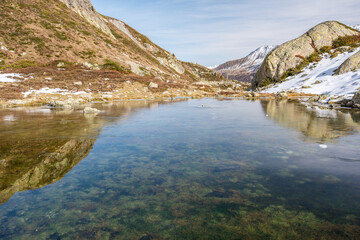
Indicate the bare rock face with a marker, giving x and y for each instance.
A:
(351, 64)
(85, 9)
(291, 54)
(171, 62)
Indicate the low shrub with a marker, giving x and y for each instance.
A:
(20, 64)
(352, 41)
(111, 65)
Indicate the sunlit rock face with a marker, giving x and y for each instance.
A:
(319, 125)
(85, 9)
(351, 64)
(291, 54)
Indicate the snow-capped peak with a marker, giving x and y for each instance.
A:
(357, 27)
(244, 69)
(213, 67)
(250, 63)
(260, 53)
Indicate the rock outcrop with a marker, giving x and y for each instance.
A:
(290, 54)
(85, 9)
(351, 64)
(356, 98)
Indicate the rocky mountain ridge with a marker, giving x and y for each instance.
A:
(244, 69)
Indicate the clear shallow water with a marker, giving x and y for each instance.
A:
(139, 170)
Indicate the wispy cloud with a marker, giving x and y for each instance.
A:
(211, 32)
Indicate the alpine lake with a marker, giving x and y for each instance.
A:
(188, 169)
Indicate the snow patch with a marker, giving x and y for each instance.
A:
(47, 91)
(253, 61)
(357, 27)
(318, 78)
(212, 67)
(52, 91)
(8, 77)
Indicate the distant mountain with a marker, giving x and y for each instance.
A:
(357, 27)
(245, 68)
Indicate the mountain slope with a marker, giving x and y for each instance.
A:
(319, 78)
(289, 58)
(71, 35)
(244, 69)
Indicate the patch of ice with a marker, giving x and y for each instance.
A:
(318, 78)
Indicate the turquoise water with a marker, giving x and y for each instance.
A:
(199, 169)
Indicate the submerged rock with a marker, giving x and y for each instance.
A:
(66, 104)
(356, 98)
(147, 237)
(218, 194)
(281, 95)
(351, 64)
(89, 110)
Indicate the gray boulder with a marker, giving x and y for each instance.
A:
(351, 64)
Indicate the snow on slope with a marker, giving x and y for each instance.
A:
(357, 27)
(8, 78)
(244, 69)
(251, 62)
(318, 79)
(256, 58)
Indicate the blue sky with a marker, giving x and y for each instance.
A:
(211, 32)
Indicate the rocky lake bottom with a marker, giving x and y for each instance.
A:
(192, 169)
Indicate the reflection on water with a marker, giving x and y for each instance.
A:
(39, 146)
(178, 171)
(322, 125)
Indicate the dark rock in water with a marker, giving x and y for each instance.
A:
(147, 237)
(175, 173)
(55, 236)
(356, 98)
(227, 167)
(218, 194)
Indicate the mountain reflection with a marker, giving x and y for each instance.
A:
(39, 146)
(319, 125)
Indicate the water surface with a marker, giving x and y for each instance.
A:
(199, 169)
